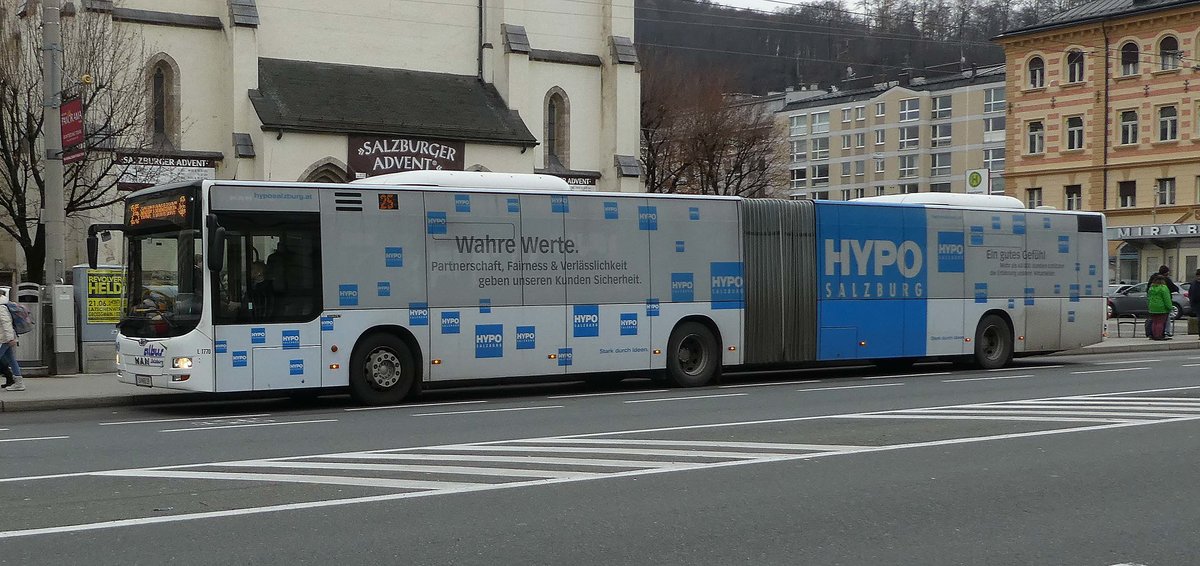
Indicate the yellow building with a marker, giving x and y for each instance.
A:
(1102, 103)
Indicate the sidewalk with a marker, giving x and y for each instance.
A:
(103, 390)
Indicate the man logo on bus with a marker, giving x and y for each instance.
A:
(347, 295)
(526, 337)
(629, 323)
(296, 367)
(489, 340)
(587, 321)
(450, 322)
(683, 288)
(291, 339)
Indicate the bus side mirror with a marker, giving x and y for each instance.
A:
(93, 250)
(216, 248)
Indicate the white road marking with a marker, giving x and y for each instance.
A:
(1114, 402)
(488, 411)
(907, 375)
(1123, 362)
(1106, 399)
(461, 470)
(769, 383)
(31, 439)
(608, 450)
(986, 378)
(1108, 370)
(413, 406)
(701, 443)
(1005, 411)
(997, 418)
(3, 429)
(849, 387)
(510, 459)
(295, 478)
(606, 394)
(1026, 368)
(222, 427)
(151, 421)
(687, 398)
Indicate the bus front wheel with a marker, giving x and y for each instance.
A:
(993, 343)
(382, 371)
(693, 355)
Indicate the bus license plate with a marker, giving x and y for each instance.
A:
(143, 381)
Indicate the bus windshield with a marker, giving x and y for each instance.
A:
(165, 280)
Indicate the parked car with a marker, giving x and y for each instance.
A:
(1114, 288)
(1132, 300)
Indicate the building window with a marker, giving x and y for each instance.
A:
(879, 109)
(820, 122)
(799, 150)
(939, 187)
(910, 109)
(846, 112)
(993, 99)
(1074, 66)
(941, 135)
(1169, 54)
(880, 136)
(1129, 127)
(1165, 189)
(942, 106)
(845, 141)
(880, 165)
(820, 195)
(908, 166)
(993, 159)
(1075, 132)
(845, 194)
(1129, 59)
(558, 128)
(880, 191)
(846, 169)
(910, 137)
(860, 192)
(860, 140)
(1168, 124)
(820, 149)
(993, 129)
(939, 165)
(162, 78)
(799, 178)
(860, 168)
(1074, 195)
(1036, 138)
(819, 174)
(860, 112)
(910, 188)
(1037, 73)
(1127, 192)
(1033, 198)
(800, 125)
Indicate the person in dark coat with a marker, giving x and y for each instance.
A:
(1165, 273)
(1194, 294)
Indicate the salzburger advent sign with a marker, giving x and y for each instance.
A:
(376, 155)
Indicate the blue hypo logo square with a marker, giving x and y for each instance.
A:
(222, 346)
(981, 293)
(435, 222)
(1029, 296)
(565, 356)
(291, 339)
(977, 235)
(586, 320)
(514, 205)
(383, 288)
(727, 284)
(526, 337)
(559, 204)
(995, 223)
(647, 218)
(679, 246)
(1018, 224)
(651, 307)
(418, 314)
(629, 324)
(347, 295)
(1057, 289)
(327, 324)
(610, 210)
(240, 358)
(393, 256)
(462, 203)
(693, 213)
(683, 288)
(1046, 223)
(485, 306)
(450, 322)
(1064, 244)
(1070, 316)
(258, 335)
(295, 367)
(951, 252)
(489, 340)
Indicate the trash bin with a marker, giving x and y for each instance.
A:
(29, 348)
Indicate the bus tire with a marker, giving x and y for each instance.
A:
(993, 343)
(693, 355)
(382, 371)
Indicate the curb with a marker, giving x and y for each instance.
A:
(1183, 345)
(21, 405)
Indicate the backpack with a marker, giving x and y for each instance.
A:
(22, 321)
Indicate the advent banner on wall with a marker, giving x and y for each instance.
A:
(376, 155)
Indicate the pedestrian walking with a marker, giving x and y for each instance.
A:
(8, 346)
(1159, 298)
(1172, 288)
(1194, 296)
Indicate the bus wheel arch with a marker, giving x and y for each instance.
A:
(694, 353)
(994, 340)
(385, 366)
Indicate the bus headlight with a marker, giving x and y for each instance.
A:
(181, 363)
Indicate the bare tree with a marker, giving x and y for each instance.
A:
(114, 107)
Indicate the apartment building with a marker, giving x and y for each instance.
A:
(892, 138)
(1104, 118)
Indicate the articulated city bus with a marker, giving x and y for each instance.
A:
(391, 283)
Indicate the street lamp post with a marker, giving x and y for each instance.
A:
(53, 213)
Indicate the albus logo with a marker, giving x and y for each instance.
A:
(629, 323)
(462, 203)
(418, 314)
(153, 351)
(586, 320)
(240, 359)
(728, 284)
(450, 322)
(648, 218)
(291, 339)
(526, 337)
(393, 257)
(347, 295)
(435, 222)
(683, 288)
(489, 340)
(951, 252)
(296, 367)
(258, 335)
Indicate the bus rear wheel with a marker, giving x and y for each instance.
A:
(382, 371)
(993, 343)
(693, 355)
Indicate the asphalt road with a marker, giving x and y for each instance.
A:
(1062, 460)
